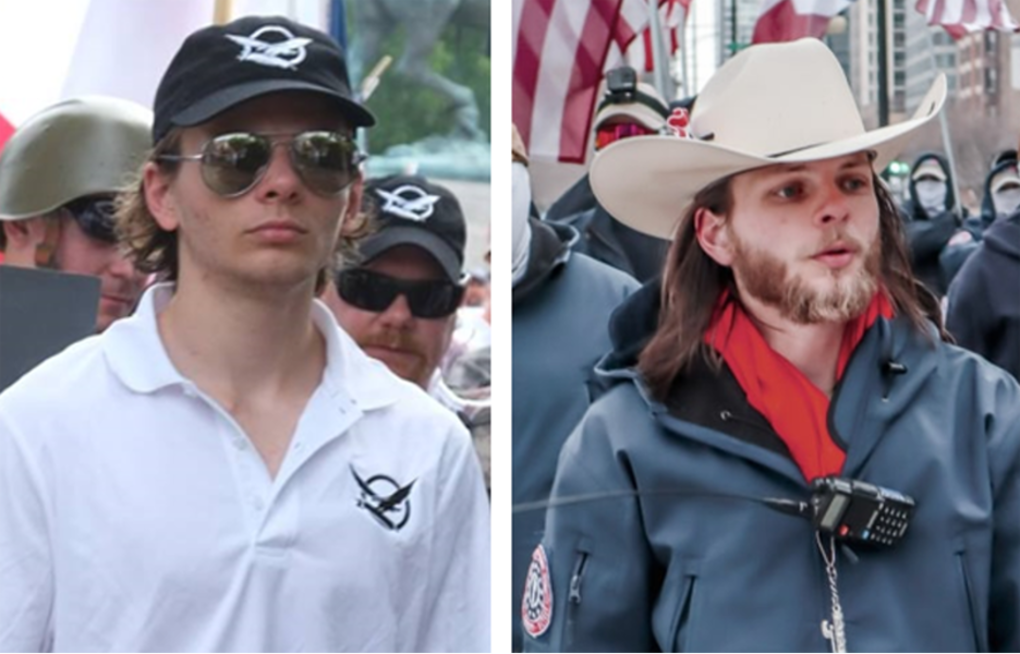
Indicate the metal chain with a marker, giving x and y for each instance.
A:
(834, 631)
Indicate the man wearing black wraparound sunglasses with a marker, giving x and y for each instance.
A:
(400, 302)
(58, 174)
(226, 470)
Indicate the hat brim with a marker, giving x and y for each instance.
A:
(647, 182)
(391, 237)
(632, 112)
(1004, 180)
(212, 105)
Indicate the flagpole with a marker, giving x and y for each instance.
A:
(660, 61)
(222, 12)
(684, 73)
(947, 144)
(883, 65)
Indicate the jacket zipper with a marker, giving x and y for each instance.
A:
(727, 416)
(574, 596)
(575, 578)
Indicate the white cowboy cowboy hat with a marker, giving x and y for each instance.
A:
(771, 103)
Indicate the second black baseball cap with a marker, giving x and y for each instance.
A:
(409, 210)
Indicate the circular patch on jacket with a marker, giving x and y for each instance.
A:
(536, 607)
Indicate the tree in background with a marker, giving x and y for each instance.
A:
(409, 112)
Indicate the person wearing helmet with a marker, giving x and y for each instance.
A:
(58, 175)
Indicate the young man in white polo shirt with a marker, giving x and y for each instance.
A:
(226, 470)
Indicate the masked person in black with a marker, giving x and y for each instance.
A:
(984, 300)
(628, 109)
(933, 219)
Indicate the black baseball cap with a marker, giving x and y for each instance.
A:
(221, 66)
(409, 210)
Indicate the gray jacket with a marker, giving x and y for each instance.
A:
(560, 330)
(659, 535)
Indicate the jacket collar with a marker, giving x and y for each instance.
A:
(869, 396)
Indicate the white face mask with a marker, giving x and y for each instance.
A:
(521, 233)
(931, 194)
(1006, 201)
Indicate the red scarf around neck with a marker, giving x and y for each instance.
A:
(794, 406)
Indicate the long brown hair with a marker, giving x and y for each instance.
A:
(155, 250)
(693, 281)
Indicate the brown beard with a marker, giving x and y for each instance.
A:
(398, 340)
(768, 279)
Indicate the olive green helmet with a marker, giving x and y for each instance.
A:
(77, 147)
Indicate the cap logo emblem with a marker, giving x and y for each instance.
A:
(408, 202)
(286, 53)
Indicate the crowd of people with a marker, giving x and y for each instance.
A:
(758, 402)
(801, 432)
(248, 454)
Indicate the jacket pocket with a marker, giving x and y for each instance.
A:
(686, 618)
(574, 594)
(966, 586)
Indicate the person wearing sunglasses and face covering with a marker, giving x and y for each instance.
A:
(628, 109)
(791, 458)
(58, 174)
(226, 470)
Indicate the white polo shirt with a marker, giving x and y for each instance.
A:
(136, 515)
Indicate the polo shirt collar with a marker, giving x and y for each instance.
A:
(136, 355)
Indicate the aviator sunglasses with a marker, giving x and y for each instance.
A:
(232, 164)
(372, 291)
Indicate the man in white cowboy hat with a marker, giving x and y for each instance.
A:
(791, 458)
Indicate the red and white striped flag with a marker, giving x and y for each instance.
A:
(562, 48)
(789, 20)
(959, 17)
(672, 17)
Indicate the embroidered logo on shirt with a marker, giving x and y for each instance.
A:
(286, 53)
(409, 201)
(385, 499)
(536, 607)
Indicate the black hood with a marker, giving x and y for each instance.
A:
(987, 207)
(911, 207)
(576, 199)
(1004, 236)
(632, 325)
(548, 251)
